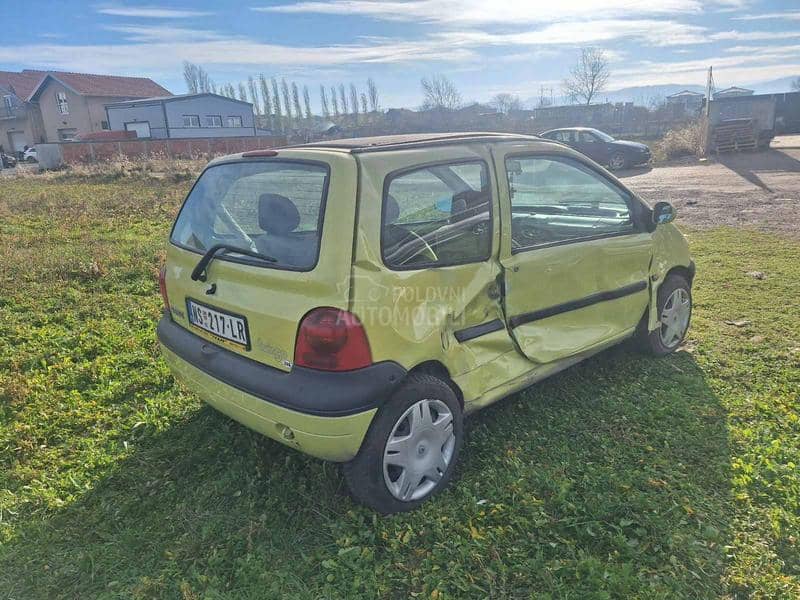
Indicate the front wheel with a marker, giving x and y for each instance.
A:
(674, 304)
(411, 448)
(617, 162)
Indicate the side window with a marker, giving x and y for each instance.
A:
(557, 199)
(587, 138)
(437, 215)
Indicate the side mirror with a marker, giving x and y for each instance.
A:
(663, 213)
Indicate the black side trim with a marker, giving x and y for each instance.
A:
(309, 391)
(576, 304)
(470, 333)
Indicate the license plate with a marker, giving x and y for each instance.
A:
(224, 325)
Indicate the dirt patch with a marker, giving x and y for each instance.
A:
(759, 189)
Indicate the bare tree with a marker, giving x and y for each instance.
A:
(196, 78)
(545, 97)
(439, 93)
(372, 92)
(276, 101)
(298, 111)
(796, 84)
(265, 98)
(323, 101)
(286, 95)
(354, 100)
(343, 100)
(364, 103)
(307, 102)
(505, 103)
(213, 88)
(588, 77)
(334, 102)
(251, 86)
(242, 91)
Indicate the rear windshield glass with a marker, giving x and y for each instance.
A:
(274, 208)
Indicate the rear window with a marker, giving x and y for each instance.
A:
(274, 208)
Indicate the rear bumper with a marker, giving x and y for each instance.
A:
(321, 413)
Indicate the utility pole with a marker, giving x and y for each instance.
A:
(707, 115)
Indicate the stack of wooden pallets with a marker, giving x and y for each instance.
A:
(735, 136)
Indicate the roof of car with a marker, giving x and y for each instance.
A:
(413, 140)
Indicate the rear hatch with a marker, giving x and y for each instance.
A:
(292, 216)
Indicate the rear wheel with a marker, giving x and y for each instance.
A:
(617, 161)
(674, 304)
(411, 448)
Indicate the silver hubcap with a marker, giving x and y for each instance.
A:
(675, 317)
(617, 161)
(419, 450)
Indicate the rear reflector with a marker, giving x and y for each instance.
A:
(162, 286)
(330, 339)
(259, 153)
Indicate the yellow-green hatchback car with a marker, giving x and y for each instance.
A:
(354, 299)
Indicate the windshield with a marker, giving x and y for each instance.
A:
(273, 208)
(603, 136)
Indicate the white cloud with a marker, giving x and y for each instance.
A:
(149, 12)
(647, 31)
(162, 33)
(753, 36)
(511, 12)
(792, 15)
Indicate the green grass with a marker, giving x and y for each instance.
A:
(623, 477)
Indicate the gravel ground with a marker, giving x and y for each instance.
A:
(756, 189)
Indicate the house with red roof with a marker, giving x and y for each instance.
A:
(57, 106)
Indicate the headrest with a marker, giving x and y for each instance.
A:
(391, 210)
(277, 214)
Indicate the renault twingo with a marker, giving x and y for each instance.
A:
(354, 299)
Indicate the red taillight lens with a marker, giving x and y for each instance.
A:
(330, 339)
(162, 286)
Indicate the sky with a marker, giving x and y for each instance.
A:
(484, 47)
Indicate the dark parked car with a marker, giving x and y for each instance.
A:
(601, 147)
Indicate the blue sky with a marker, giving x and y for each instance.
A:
(485, 47)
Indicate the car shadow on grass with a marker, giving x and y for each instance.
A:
(610, 478)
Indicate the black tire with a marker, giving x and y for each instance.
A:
(617, 162)
(652, 341)
(365, 473)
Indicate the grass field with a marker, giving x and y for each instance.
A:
(623, 477)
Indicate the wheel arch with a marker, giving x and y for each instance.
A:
(438, 370)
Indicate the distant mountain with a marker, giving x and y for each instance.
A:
(774, 86)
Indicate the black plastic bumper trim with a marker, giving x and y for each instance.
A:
(551, 311)
(470, 333)
(309, 391)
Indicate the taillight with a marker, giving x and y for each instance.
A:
(162, 286)
(330, 339)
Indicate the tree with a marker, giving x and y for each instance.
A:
(588, 77)
(287, 106)
(298, 111)
(323, 101)
(276, 101)
(545, 98)
(251, 85)
(796, 84)
(439, 93)
(354, 100)
(334, 102)
(372, 92)
(265, 98)
(307, 102)
(364, 103)
(505, 103)
(343, 100)
(242, 91)
(196, 78)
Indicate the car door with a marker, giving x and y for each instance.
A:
(575, 252)
(592, 146)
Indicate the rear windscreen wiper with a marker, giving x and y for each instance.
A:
(199, 272)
